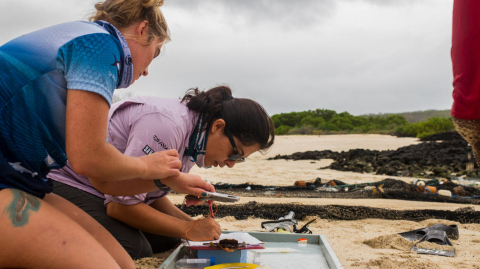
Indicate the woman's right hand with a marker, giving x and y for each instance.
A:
(161, 164)
(205, 229)
(188, 184)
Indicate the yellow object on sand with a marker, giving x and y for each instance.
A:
(233, 265)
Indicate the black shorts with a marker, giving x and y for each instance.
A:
(137, 243)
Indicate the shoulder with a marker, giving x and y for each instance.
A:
(146, 106)
(91, 46)
(170, 112)
(83, 37)
(160, 123)
(87, 47)
(38, 48)
(64, 33)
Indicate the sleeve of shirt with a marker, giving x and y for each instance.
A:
(91, 63)
(125, 200)
(150, 133)
(154, 195)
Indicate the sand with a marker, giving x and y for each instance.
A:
(367, 243)
(147, 263)
(282, 172)
(433, 246)
(394, 241)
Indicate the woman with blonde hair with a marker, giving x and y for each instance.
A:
(56, 85)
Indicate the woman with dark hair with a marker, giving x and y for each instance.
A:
(207, 128)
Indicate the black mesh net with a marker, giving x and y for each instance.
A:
(334, 212)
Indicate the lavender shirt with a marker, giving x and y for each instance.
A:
(138, 126)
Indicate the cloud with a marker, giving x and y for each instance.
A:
(286, 14)
(390, 2)
(282, 13)
(23, 16)
(360, 56)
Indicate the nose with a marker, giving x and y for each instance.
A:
(145, 72)
(230, 163)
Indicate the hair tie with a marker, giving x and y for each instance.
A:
(229, 97)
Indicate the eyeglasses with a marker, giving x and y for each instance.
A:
(235, 157)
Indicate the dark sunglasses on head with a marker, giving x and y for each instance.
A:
(236, 156)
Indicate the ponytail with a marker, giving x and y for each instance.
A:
(244, 118)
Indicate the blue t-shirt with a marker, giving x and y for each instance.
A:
(36, 70)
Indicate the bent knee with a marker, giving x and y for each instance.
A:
(137, 246)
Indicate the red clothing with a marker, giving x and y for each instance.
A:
(466, 59)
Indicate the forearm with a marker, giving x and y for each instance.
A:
(124, 187)
(106, 163)
(88, 152)
(166, 206)
(140, 185)
(148, 219)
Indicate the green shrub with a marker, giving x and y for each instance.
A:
(303, 130)
(324, 121)
(425, 128)
(281, 130)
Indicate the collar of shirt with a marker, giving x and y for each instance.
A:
(197, 144)
(125, 75)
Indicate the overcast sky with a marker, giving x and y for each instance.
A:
(360, 56)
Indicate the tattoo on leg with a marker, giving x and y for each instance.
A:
(19, 210)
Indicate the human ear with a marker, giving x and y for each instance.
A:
(142, 29)
(217, 125)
